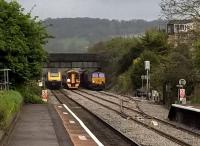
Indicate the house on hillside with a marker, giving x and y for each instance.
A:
(179, 26)
(180, 31)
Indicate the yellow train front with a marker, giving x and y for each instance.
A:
(72, 79)
(54, 79)
(93, 80)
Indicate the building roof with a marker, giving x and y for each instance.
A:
(180, 21)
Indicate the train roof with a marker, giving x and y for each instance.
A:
(72, 70)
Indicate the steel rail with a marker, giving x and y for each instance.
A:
(62, 100)
(143, 113)
(168, 136)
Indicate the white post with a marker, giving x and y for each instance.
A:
(147, 80)
(147, 68)
(142, 84)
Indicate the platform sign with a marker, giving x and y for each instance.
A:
(44, 95)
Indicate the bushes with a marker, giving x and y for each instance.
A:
(195, 100)
(30, 92)
(124, 84)
(10, 102)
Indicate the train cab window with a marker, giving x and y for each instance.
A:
(54, 74)
(95, 75)
(54, 70)
(77, 76)
(101, 75)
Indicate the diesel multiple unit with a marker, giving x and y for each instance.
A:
(71, 79)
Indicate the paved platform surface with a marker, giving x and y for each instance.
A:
(34, 128)
(77, 133)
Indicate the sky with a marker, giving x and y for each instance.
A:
(109, 9)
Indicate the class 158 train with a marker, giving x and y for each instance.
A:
(54, 79)
(71, 79)
(94, 80)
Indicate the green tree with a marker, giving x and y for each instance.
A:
(21, 42)
(178, 65)
(156, 41)
(197, 54)
(113, 51)
(133, 52)
(137, 68)
(151, 46)
(126, 56)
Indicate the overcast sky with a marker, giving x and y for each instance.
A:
(111, 9)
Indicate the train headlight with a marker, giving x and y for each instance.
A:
(68, 80)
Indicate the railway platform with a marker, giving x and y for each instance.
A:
(50, 125)
(38, 125)
(185, 114)
(78, 132)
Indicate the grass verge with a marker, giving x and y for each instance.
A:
(10, 102)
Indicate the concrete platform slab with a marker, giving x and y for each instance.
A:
(34, 128)
(77, 133)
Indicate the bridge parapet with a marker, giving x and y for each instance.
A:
(68, 60)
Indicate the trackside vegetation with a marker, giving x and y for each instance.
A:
(22, 40)
(124, 64)
(10, 102)
(31, 92)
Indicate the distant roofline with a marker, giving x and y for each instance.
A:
(176, 21)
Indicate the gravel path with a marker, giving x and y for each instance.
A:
(129, 128)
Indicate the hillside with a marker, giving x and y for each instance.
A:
(75, 35)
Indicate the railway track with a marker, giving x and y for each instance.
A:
(103, 131)
(146, 116)
(140, 111)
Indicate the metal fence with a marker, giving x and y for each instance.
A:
(4, 79)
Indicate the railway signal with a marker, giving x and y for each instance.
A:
(181, 91)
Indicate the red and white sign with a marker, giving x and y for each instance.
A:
(44, 95)
(182, 94)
